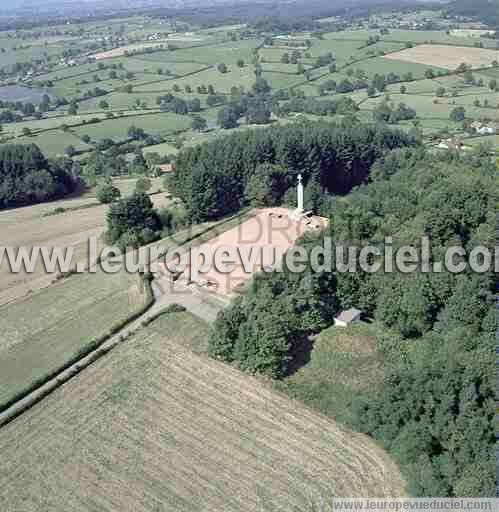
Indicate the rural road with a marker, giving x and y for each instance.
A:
(199, 302)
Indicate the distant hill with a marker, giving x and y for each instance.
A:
(486, 11)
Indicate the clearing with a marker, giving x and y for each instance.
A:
(153, 426)
(340, 365)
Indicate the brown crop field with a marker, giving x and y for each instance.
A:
(447, 57)
(154, 427)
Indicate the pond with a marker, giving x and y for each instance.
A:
(22, 93)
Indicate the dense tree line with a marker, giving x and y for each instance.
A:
(435, 408)
(211, 178)
(388, 113)
(26, 177)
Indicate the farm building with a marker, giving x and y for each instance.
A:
(484, 129)
(452, 144)
(347, 317)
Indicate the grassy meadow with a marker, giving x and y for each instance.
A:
(154, 124)
(339, 365)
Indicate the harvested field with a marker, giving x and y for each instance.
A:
(153, 426)
(71, 228)
(44, 330)
(447, 57)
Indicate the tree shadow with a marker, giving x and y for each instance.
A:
(300, 353)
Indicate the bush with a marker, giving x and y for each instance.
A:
(143, 185)
(175, 308)
(133, 221)
(107, 193)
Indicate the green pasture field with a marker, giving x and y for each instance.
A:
(270, 54)
(337, 77)
(125, 102)
(282, 81)
(451, 84)
(222, 82)
(427, 109)
(375, 49)
(227, 53)
(104, 82)
(11, 56)
(457, 82)
(341, 50)
(54, 142)
(382, 66)
(413, 36)
(435, 36)
(222, 28)
(425, 86)
(432, 126)
(360, 35)
(279, 67)
(62, 73)
(467, 99)
(493, 140)
(127, 185)
(152, 62)
(153, 124)
(162, 149)
(488, 73)
(52, 122)
(73, 88)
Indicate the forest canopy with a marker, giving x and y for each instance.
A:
(212, 178)
(26, 177)
(434, 410)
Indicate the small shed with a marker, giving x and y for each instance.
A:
(347, 317)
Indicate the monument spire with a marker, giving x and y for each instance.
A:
(300, 194)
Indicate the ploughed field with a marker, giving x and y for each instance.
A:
(153, 426)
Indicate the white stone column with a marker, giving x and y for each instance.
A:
(300, 194)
